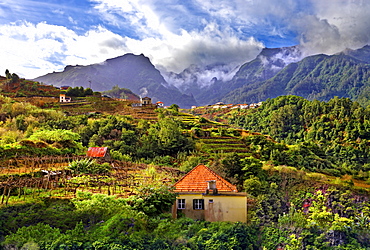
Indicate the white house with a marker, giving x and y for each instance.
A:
(63, 98)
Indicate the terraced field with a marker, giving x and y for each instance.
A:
(214, 137)
(224, 145)
(110, 107)
(192, 120)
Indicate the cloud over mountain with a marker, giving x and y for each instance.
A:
(40, 37)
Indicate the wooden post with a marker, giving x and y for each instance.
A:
(7, 198)
(3, 196)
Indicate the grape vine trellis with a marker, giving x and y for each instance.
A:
(36, 176)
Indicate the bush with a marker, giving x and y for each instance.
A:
(40, 235)
(116, 155)
(89, 166)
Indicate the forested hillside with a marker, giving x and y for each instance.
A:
(318, 77)
(304, 165)
(332, 135)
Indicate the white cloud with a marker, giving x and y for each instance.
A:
(36, 49)
(319, 26)
(335, 26)
(71, 20)
(176, 35)
(172, 47)
(32, 50)
(58, 11)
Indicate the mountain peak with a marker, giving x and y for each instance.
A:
(134, 72)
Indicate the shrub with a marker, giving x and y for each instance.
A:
(89, 166)
(116, 155)
(37, 235)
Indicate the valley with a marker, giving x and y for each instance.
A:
(297, 160)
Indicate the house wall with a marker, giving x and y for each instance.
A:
(221, 208)
(189, 211)
(225, 208)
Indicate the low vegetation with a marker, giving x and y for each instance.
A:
(304, 165)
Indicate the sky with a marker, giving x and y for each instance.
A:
(43, 36)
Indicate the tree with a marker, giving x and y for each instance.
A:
(7, 74)
(253, 167)
(41, 235)
(153, 200)
(174, 107)
(15, 78)
(88, 91)
(232, 166)
(166, 137)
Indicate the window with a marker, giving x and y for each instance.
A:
(180, 203)
(198, 204)
(210, 201)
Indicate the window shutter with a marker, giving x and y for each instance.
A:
(194, 204)
(202, 203)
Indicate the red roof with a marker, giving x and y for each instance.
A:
(97, 151)
(196, 181)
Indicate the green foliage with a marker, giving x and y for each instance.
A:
(88, 166)
(51, 136)
(79, 91)
(12, 78)
(191, 162)
(240, 171)
(174, 107)
(59, 138)
(117, 92)
(32, 149)
(284, 207)
(120, 225)
(153, 200)
(166, 138)
(41, 235)
(272, 237)
(163, 160)
(319, 77)
(116, 155)
(225, 236)
(326, 134)
(252, 186)
(54, 212)
(270, 205)
(232, 166)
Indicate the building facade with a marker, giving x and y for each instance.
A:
(204, 195)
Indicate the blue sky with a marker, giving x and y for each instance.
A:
(42, 36)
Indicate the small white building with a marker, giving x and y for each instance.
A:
(159, 104)
(64, 98)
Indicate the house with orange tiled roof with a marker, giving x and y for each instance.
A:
(204, 195)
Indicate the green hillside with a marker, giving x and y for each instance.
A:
(18, 87)
(318, 77)
(304, 165)
(334, 135)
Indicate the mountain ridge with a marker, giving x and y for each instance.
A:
(274, 72)
(134, 72)
(315, 77)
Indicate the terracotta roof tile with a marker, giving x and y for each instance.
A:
(196, 181)
(97, 151)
